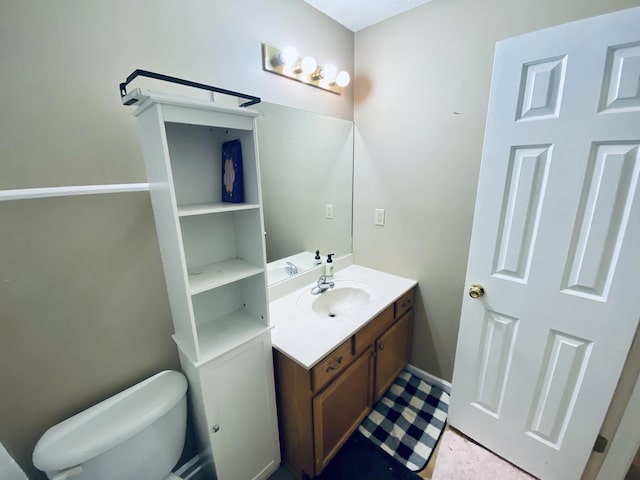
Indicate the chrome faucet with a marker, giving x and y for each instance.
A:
(325, 282)
(291, 269)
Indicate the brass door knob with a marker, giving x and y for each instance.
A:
(476, 290)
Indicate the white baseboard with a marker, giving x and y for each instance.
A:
(430, 379)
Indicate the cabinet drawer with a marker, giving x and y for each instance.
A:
(367, 335)
(404, 303)
(331, 365)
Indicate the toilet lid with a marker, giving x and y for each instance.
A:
(109, 423)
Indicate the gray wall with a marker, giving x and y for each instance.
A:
(419, 159)
(83, 305)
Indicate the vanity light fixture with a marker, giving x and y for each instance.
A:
(288, 63)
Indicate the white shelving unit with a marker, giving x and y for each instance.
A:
(213, 255)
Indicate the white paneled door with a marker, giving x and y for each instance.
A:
(555, 245)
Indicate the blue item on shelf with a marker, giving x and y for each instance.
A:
(232, 179)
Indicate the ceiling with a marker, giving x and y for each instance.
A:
(359, 14)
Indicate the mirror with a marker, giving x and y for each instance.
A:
(306, 167)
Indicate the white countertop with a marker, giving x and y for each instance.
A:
(306, 337)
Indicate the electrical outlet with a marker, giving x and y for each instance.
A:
(379, 217)
(328, 211)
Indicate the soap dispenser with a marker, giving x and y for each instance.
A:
(328, 268)
(317, 260)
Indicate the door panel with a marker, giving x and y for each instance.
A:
(527, 175)
(603, 216)
(555, 243)
(620, 88)
(564, 364)
(494, 359)
(541, 89)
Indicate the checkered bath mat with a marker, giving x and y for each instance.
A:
(408, 420)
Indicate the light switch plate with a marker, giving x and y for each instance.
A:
(328, 211)
(379, 217)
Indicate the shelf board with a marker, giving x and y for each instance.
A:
(217, 274)
(223, 334)
(217, 207)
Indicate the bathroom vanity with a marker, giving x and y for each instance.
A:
(335, 358)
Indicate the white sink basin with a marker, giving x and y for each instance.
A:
(343, 300)
(340, 301)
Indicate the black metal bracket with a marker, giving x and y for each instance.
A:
(180, 81)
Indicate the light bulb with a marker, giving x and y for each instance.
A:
(308, 65)
(329, 73)
(288, 55)
(343, 79)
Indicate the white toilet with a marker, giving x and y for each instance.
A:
(137, 434)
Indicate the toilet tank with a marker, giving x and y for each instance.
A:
(137, 434)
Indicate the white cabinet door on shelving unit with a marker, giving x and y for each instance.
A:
(239, 400)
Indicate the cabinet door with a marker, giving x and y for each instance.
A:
(239, 400)
(339, 409)
(392, 354)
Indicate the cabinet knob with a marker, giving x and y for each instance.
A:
(381, 347)
(215, 428)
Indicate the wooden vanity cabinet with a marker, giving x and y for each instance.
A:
(319, 408)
